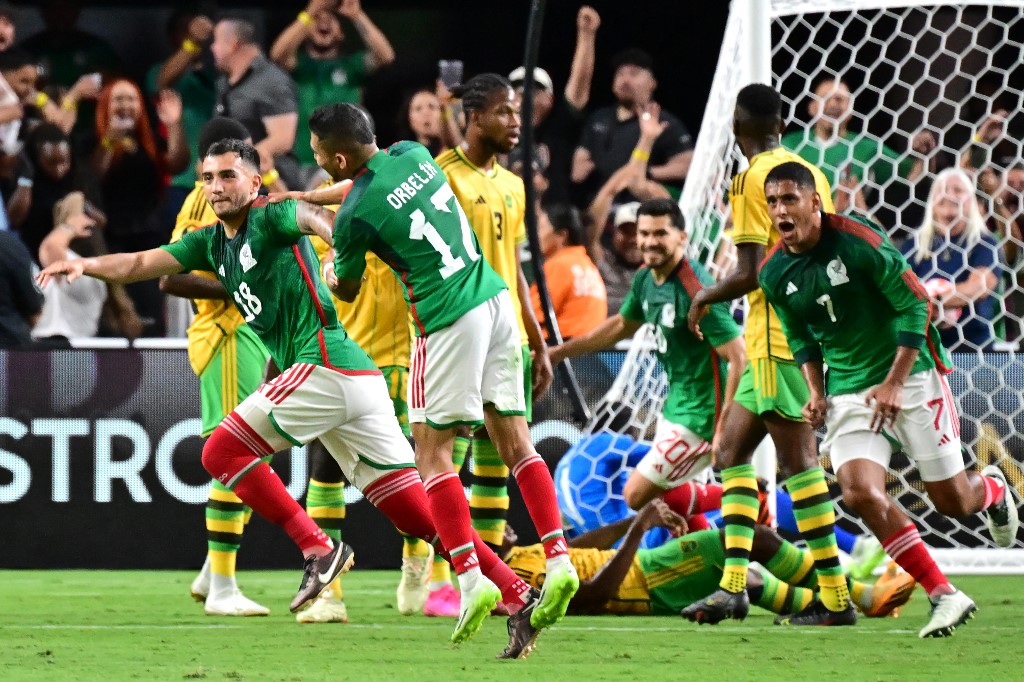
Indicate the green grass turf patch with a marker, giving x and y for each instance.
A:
(142, 625)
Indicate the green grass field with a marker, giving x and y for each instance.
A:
(135, 625)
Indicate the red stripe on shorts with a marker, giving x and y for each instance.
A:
(950, 405)
(419, 362)
(295, 379)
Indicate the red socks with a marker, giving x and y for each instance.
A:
(994, 491)
(693, 498)
(401, 497)
(450, 512)
(538, 491)
(906, 548)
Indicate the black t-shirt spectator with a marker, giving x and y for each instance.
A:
(264, 90)
(611, 141)
(19, 298)
(559, 133)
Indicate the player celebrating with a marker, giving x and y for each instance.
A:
(847, 297)
(661, 294)
(772, 391)
(466, 364)
(329, 389)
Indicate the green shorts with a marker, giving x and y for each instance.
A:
(683, 570)
(397, 378)
(234, 372)
(769, 385)
(528, 383)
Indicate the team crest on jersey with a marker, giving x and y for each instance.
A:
(668, 315)
(791, 289)
(836, 272)
(245, 258)
(220, 271)
(508, 200)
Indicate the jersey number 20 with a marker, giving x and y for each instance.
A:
(421, 229)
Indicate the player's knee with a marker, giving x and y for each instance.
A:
(224, 454)
(866, 500)
(634, 495)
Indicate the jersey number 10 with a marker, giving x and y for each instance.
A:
(421, 229)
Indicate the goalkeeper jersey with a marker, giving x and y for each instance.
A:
(695, 372)
(269, 269)
(401, 208)
(751, 224)
(632, 597)
(850, 301)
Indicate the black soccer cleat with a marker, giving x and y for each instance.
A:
(319, 572)
(718, 606)
(816, 613)
(522, 636)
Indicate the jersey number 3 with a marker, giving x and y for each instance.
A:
(247, 301)
(421, 229)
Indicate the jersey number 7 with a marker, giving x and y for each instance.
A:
(421, 228)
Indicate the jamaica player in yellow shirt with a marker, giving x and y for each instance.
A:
(772, 391)
(494, 201)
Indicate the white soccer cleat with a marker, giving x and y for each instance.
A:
(233, 604)
(414, 587)
(200, 587)
(326, 609)
(1002, 517)
(949, 611)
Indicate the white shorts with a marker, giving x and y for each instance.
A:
(927, 429)
(476, 360)
(350, 412)
(677, 455)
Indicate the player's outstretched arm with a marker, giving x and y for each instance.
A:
(118, 268)
(315, 220)
(739, 282)
(605, 335)
(595, 593)
(332, 195)
(196, 287)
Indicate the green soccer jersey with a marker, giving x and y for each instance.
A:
(850, 301)
(402, 209)
(271, 272)
(694, 370)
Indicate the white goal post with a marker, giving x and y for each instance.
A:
(911, 66)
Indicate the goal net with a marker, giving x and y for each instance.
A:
(948, 69)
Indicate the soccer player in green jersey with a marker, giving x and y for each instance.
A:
(329, 389)
(467, 365)
(660, 295)
(848, 299)
(771, 391)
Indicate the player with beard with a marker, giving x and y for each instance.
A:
(329, 389)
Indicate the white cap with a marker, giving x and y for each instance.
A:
(540, 77)
(626, 213)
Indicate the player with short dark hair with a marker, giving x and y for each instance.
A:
(772, 391)
(467, 362)
(329, 389)
(846, 296)
(660, 295)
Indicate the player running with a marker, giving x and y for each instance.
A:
(846, 297)
(466, 364)
(329, 389)
(771, 391)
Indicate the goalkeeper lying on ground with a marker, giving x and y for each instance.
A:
(663, 580)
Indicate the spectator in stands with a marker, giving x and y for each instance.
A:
(310, 48)
(256, 93)
(958, 260)
(577, 291)
(8, 28)
(541, 164)
(420, 119)
(850, 159)
(20, 300)
(619, 260)
(194, 80)
(610, 135)
(132, 163)
(65, 52)
(558, 120)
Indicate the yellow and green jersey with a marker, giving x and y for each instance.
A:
(269, 269)
(214, 319)
(751, 224)
(402, 209)
(850, 301)
(495, 203)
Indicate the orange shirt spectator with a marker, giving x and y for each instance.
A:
(577, 290)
